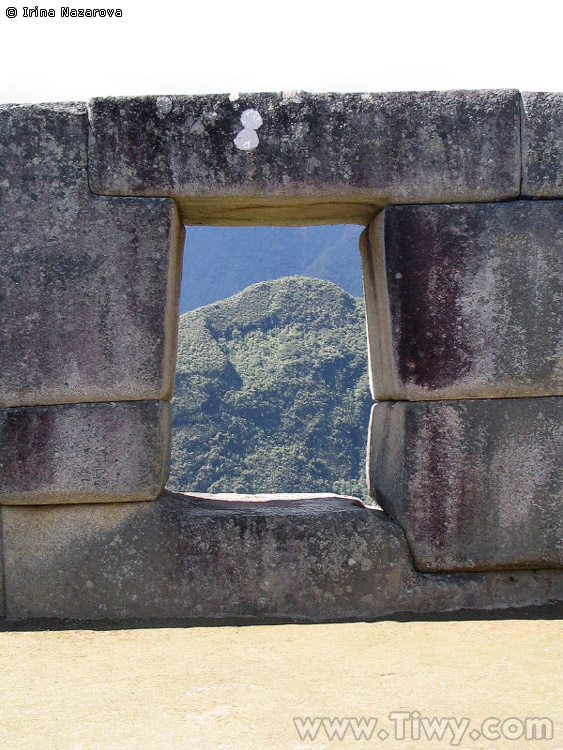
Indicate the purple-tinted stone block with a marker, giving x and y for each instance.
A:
(84, 453)
(475, 484)
(464, 301)
(90, 285)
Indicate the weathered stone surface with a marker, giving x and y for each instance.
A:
(464, 301)
(84, 453)
(195, 557)
(475, 485)
(88, 307)
(318, 157)
(542, 145)
(2, 592)
(192, 557)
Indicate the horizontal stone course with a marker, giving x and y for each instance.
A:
(89, 300)
(464, 301)
(542, 145)
(474, 484)
(84, 453)
(192, 557)
(355, 151)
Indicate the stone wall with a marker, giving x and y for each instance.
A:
(462, 197)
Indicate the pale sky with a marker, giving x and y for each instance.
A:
(212, 46)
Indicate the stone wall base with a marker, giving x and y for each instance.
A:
(308, 558)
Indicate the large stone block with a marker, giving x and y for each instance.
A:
(542, 145)
(89, 300)
(464, 301)
(195, 557)
(315, 157)
(476, 485)
(84, 453)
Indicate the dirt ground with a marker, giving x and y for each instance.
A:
(236, 687)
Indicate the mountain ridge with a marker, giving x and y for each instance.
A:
(272, 392)
(221, 261)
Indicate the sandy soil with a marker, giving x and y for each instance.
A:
(241, 687)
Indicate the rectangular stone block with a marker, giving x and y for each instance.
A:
(84, 453)
(89, 300)
(542, 145)
(475, 485)
(309, 157)
(464, 301)
(188, 556)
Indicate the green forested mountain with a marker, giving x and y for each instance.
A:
(221, 261)
(272, 392)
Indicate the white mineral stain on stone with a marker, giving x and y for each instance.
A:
(247, 140)
(233, 97)
(251, 119)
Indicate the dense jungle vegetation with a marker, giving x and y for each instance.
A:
(272, 392)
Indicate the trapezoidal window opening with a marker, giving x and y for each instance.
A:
(272, 390)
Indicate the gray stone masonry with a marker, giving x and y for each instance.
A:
(464, 288)
(84, 453)
(90, 285)
(188, 556)
(475, 485)
(2, 592)
(465, 301)
(542, 145)
(318, 158)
